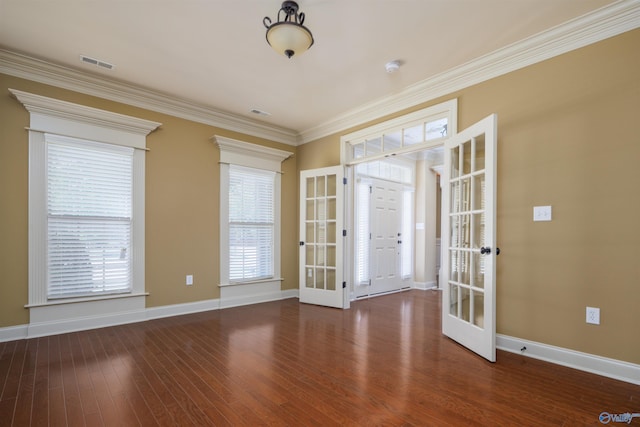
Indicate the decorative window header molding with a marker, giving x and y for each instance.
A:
(79, 121)
(250, 155)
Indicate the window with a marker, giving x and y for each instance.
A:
(86, 215)
(249, 215)
(251, 223)
(363, 232)
(89, 217)
(410, 133)
(407, 234)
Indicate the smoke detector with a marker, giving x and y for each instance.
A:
(392, 66)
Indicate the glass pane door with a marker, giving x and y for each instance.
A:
(469, 196)
(321, 195)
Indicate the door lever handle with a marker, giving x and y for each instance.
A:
(487, 251)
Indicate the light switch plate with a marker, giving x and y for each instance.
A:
(189, 279)
(542, 213)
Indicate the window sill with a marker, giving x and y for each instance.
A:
(252, 282)
(87, 299)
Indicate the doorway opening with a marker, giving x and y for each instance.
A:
(396, 213)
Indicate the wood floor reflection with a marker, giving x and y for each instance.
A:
(383, 362)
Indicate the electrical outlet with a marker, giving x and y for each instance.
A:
(542, 213)
(189, 280)
(593, 315)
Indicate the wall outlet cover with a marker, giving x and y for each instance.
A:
(542, 213)
(593, 315)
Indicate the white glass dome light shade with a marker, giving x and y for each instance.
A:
(289, 38)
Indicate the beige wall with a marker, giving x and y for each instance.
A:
(568, 136)
(182, 193)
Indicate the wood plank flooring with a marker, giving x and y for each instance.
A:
(383, 362)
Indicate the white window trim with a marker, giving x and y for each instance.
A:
(258, 157)
(48, 115)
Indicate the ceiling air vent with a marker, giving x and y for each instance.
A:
(96, 62)
(259, 112)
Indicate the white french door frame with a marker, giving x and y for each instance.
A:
(481, 343)
(469, 239)
(323, 269)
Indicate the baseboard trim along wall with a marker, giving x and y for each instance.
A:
(425, 285)
(606, 367)
(55, 327)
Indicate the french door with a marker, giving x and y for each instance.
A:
(321, 237)
(469, 237)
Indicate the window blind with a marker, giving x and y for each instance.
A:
(251, 223)
(407, 234)
(363, 241)
(89, 217)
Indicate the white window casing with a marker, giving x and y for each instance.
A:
(66, 124)
(238, 158)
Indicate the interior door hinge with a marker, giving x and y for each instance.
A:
(344, 233)
(344, 181)
(344, 285)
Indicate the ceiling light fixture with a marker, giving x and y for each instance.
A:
(288, 36)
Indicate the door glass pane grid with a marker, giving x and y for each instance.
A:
(477, 308)
(465, 224)
(479, 153)
(466, 304)
(465, 167)
(320, 227)
(477, 269)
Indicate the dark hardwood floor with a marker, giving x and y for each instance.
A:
(383, 362)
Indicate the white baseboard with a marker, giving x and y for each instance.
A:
(60, 326)
(290, 293)
(180, 309)
(13, 333)
(425, 285)
(606, 367)
(42, 329)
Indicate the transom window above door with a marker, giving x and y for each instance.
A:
(411, 132)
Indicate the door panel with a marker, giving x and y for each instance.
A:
(321, 244)
(385, 230)
(469, 187)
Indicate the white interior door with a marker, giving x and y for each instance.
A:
(321, 237)
(386, 226)
(469, 236)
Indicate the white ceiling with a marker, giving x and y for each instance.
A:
(213, 53)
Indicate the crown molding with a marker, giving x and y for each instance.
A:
(609, 21)
(603, 23)
(26, 67)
